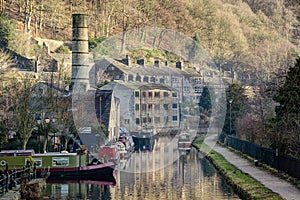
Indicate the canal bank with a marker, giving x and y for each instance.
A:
(244, 185)
(248, 181)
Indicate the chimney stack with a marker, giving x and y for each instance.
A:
(126, 61)
(80, 50)
(179, 65)
(156, 63)
(141, 62)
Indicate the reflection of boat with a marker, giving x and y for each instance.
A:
(184, 142)
(144, 141)
(80, 181)
(59, 165)
(125, 146)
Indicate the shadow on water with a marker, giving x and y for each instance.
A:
(189, 177)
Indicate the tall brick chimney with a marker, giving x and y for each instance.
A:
(80, 51)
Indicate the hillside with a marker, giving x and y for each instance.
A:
(246, 36)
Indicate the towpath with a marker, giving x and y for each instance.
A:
(283, 188)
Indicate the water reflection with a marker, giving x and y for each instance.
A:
(188, 177)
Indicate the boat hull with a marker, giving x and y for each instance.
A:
(58, 165)
(102, 172)
(144, 143)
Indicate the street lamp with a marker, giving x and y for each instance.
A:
(47, 121)
(39, 121)
(230, 102)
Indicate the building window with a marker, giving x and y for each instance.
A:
(144, 106)
(175, 80)
(152, 79)
(144, 94)
(186, 89)
(157, 94)
(197, 90)
(127, 121)
(166, 94)
(117, 77)
(144, 120)
(157, 107)
(146, 79)
(174, 94)
(150, 94)
(137, 120)
(166, 118)
(137, 106)
(149, 120)
(149, 106)
(166, 107)
(198, 81)
(162, 80)
(130, 77)
(138, 78)
(157, 119)
(137, 94)
(175, 118)
(174, 105)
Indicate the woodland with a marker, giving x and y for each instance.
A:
(257, 39)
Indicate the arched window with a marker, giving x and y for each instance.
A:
(130, 77)
(152, 79)
(146, 79)
(138, 78)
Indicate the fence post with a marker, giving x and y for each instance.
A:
(15, 174)
(6, 181)
(34, 170)
(2, 183)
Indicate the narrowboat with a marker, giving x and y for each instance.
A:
(58, 165)
(184, 142)
(144, 141)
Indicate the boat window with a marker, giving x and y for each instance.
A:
(38, 162)
(60, 161)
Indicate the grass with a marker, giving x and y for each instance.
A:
(244, 185)
(282, 175)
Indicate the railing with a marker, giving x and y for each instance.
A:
(9, 179)
(277, 160)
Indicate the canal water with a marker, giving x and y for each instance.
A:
(164, 173)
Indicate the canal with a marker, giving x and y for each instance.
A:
(164, 173)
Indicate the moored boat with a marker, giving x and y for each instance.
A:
(144, 141)
(184, 142)
(59, 165)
